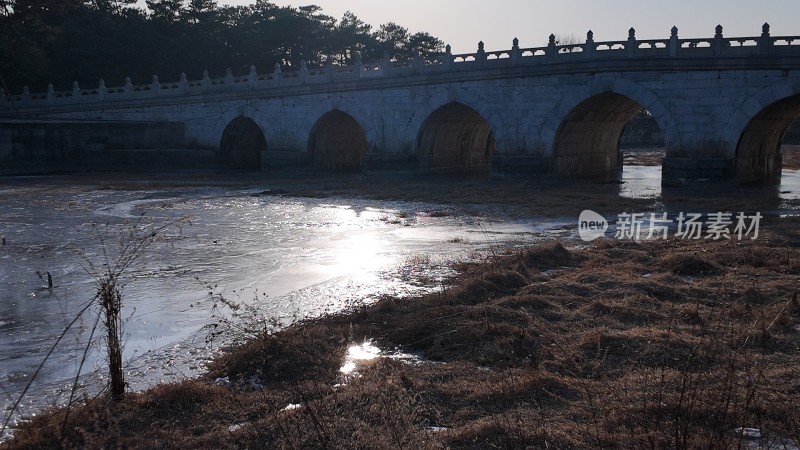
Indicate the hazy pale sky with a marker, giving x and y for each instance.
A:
(462, 23)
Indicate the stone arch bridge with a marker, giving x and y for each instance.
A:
(722, 105)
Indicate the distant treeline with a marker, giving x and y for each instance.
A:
(62, 41)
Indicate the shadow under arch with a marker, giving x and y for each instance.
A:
(338, 143)
(587, 143)
(758, 151)
(241, 144)
(455, 139)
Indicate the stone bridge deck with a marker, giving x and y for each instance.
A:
(722, 105)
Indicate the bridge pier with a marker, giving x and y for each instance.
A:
(275, 159)
(506, 165)
(389, 162)
(682, 171)
(48, 146)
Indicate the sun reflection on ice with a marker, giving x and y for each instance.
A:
(362, 252)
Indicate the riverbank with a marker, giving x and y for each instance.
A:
(616, 344)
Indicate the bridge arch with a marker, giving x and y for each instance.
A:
(337, 142)
(584, 130)
(497, 115)
(758, 152)
(587, 143)
(757, 126)
(241, 144)
(457, 139)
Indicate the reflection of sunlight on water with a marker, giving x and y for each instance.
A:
(645, 182)
(790, 185)
(359, 355)
(361, 253)
(641, 182)
(367, 353)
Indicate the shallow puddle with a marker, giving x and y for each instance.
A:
(359, 356)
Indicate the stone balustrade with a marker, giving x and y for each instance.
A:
(632, 48)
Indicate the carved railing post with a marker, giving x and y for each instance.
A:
(155, 86)
(447, 58)
(276, 75)
(674, 43)
(358, 66)
(386, 64)
(630, 46)
(206, 80)
(416, 62)
(552, 48)
(765, 42)
(590, 46)
(480, 56)
(228, 80)
(184, 83)
(101, 89)
(26, 94)
(128, 87)
(303, 70)
(515, 53)
(252, 77)
(76, 91)
(718, 44)
(329, 69)
(50, 94)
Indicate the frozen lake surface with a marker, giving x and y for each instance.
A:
(292, 257)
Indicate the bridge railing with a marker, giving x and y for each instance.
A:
(631, 48)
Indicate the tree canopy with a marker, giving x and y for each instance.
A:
(62, 41)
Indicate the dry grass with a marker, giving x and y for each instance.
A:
(667, 344)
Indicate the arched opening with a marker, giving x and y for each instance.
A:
(456, 139)
(241, 144)
(642, 142)
(643, 150)
(338, 143)
(588, 142)
(758, 153)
